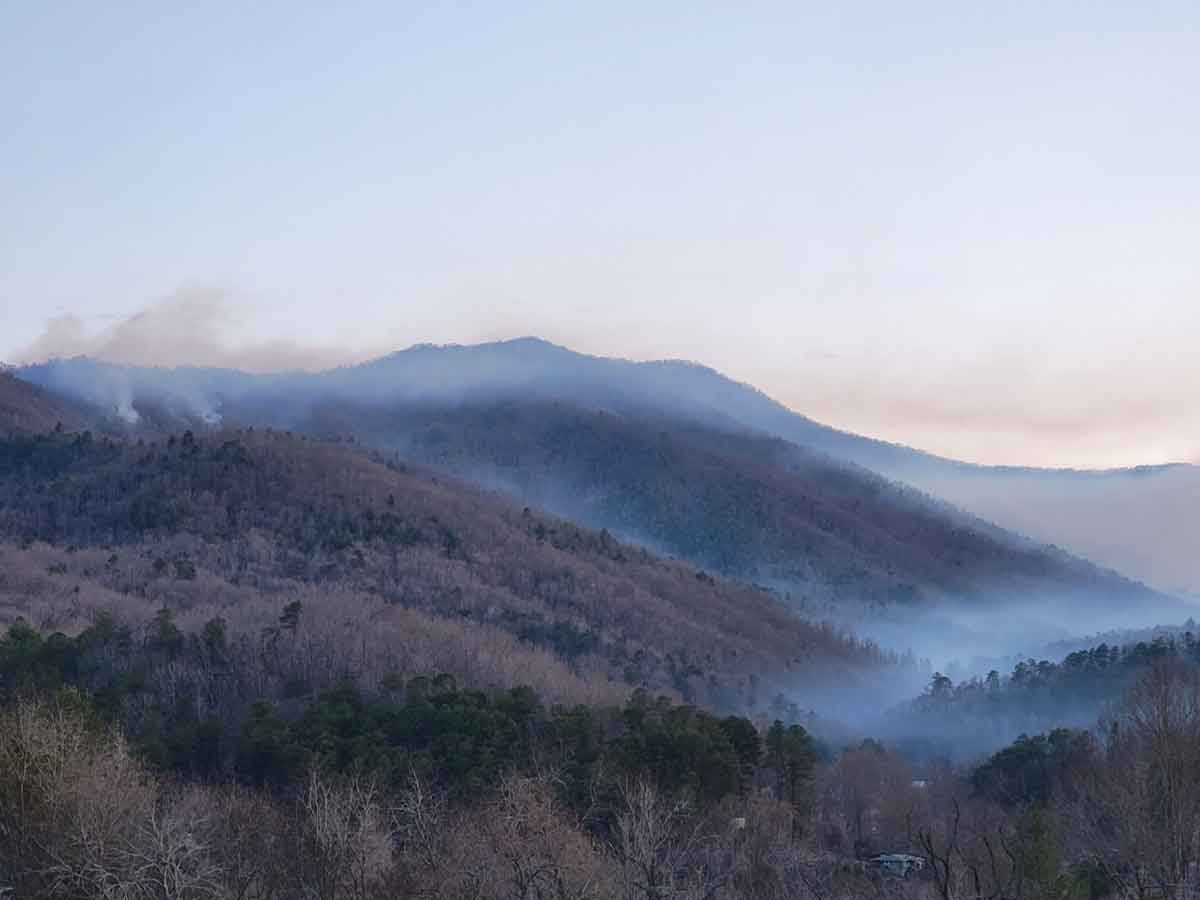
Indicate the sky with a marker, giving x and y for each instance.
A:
(971, 228)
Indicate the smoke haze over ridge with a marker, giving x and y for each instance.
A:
(193, 327)
(1016, 407)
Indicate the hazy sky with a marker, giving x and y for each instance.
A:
(970, 227)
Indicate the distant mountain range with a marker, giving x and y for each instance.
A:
(688, 462)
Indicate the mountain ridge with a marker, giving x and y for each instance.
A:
(36, 373)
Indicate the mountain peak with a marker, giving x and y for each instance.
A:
(525, 343)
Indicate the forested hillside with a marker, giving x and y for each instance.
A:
(244, 522)
(260, 663)
(744, 505)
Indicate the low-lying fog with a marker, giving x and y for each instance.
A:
(967, 642)
(979, 709)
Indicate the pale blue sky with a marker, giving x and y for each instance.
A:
(969, 227)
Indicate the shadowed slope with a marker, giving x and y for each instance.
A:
(835, 540)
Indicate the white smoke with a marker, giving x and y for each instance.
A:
(126, 413)
(193, 327)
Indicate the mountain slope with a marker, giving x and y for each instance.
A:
(28, 409)
(281, 516)
(747, 506)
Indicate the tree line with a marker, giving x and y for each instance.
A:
(1036, 696)
(115, 780)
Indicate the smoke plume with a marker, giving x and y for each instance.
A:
(193, 327)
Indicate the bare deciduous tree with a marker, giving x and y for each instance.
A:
(347, 849)
(522, 846)
(661, 847)
(80, 817)
(1136, 815)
